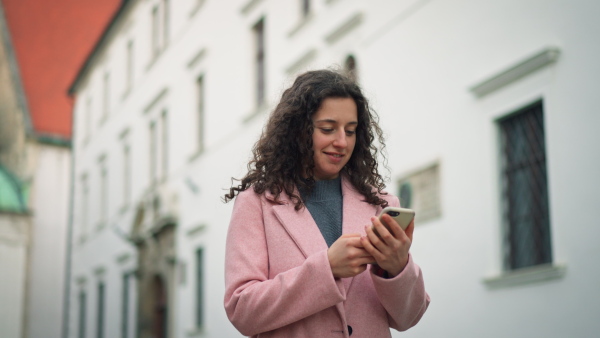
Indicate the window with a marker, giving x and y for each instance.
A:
(128, 305)
(81, 314)
(126, 162)
(525, 188)
(153, 153)
(350, 68)
(260, 61)
(87, 121)
(160, 26)
(199, 287)
(105, 97)
(200, 107)
(305, 7)
(129, 72)
(126, 174)
(420, 191)
(165, 22)
(84, 206)
(159, 162)
(164, 145)
(100, 314)
(125, 306)
(103, 191)
(155, 31)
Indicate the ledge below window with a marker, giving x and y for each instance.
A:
(124, 208)
(196, 332)
(263, 108)
(100, 226)
(303, 22)
(196, 154)
(536, 274)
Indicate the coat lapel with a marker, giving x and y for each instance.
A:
(306, 234)
(300, 226)
(356, 214)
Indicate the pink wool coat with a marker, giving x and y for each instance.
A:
(279, 281)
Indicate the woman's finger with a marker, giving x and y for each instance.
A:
(376, 243)
(384, 234)
(372, 250)
(410, 229)
(393, 226)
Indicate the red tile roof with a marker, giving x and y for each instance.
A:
(51, 41)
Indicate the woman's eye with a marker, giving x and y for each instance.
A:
(350, 132)
(327, 130)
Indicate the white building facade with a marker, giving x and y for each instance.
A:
(35, 170)
(488, 108)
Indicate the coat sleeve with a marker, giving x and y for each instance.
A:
(253, 302)
(403, 297)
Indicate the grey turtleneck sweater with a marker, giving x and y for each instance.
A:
(325, 205)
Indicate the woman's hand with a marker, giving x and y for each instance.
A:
(347, 257)
(390, 248)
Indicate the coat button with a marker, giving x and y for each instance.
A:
(349, 330)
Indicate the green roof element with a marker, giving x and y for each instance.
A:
(13, 193)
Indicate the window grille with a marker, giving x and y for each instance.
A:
(525, 189)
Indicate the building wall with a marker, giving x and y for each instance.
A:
(14, 235)
(51, 181)
(33, 243)
(418, 62)
(14, 226)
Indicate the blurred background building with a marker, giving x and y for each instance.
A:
(42, 44)
(489, 111)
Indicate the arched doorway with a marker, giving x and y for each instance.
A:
(156, 281)
(161, 309)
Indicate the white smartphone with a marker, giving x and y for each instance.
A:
(402, 216)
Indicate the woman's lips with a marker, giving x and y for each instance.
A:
(334, 157)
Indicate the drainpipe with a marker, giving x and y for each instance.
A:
(69, 249)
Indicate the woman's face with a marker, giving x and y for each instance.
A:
(334, 136)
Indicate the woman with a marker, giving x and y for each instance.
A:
(300, 236)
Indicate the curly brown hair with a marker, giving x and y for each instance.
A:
(283, 156)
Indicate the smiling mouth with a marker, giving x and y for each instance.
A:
(335, 155)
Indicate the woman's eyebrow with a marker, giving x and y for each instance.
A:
(334, 121)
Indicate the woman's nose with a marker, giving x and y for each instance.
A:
(340, 140)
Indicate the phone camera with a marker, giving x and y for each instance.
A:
(393, 213)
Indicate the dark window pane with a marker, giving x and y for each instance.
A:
(525, 188)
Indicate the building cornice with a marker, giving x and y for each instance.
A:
(104, 39)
